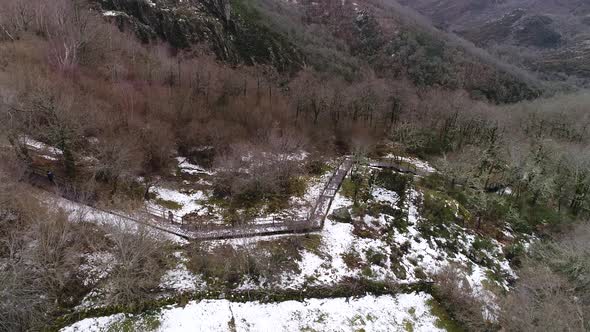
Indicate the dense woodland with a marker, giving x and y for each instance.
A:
(72, 79)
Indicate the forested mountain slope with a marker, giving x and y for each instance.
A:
(543, 35)
(345, 37)
(256, 165)
(233, 31)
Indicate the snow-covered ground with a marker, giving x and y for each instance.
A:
(404, 312)
(188, 202)
(394, 249)
(420, 164)
(300, 207)
(337, 240)
(180, 278)
(192, 196)
(420, 258)
(327, 265)
(186, 167)
(40, 146)
(46, 151)
(111, 13)
(96, 266)
(77, 212)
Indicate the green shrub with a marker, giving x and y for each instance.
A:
(316, 167)
(170, 205)
(437, 215)
(376, 257)
(394, 181)
(514, 253)
(352, 259)
(419, 273)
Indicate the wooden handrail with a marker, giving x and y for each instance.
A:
(313, 222)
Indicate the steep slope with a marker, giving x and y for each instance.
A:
(398, 43)
(544, 35)
(234, 32)
(334, 37)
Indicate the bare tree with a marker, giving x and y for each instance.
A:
(543, 300)
(118, 159)
(39, 253)
(74, 33)
(139, 265)
(52, 113)
(459, 299)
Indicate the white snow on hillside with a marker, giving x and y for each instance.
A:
(421, 258)
(300, 207)
(40, 146)
(186, 167)
(327, 265)
(377, 247)
(431, 258)
(337, 240)
(180, 278)
(94, 324)
(188, 202)
(368, 313)
(112, 13)
(77, 212)
(420, 164)
(96, 267)
(196, 202)
(46, 151)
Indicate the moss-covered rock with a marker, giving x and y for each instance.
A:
(342, 215)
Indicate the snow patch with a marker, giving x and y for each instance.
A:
(96, 267)
(113, 13)
(369, 313)
(420, 164)
(94, 324)
(77, 212)
(189, 202)
(188, 168)
(180, 278)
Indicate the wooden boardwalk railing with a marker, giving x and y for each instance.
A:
(163, 214)
(324, 202)
(314, 221)
(60, 186)
(398, 164)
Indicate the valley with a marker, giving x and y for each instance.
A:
(266, 165)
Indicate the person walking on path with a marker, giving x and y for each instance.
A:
(50, 177)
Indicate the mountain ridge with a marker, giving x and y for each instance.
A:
(545, 36)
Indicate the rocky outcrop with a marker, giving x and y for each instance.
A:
(233, 31)
(342, 215)
(537, 31)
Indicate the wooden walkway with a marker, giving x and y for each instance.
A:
(324, 202)
(158, 220)
(393, 165)
(398, 165)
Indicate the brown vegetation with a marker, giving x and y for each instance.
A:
(460, 301)
(41, 250)
(552, 292)
(118, 109)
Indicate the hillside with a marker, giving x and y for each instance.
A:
(233, 31)
(347, 37)
(543, 35)
(298, 166)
